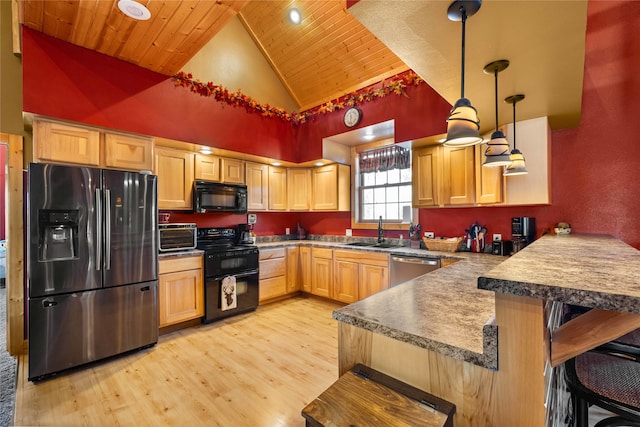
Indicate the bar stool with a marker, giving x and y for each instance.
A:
(607, 377)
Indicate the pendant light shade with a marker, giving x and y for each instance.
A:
(517, 166)
(497, 151)
(463, 124)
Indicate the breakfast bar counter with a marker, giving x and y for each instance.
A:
(475, 333)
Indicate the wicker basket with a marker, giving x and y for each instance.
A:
(442, 245)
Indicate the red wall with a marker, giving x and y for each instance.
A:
(69, 82)
(594, 167)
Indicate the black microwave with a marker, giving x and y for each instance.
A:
(219, 197)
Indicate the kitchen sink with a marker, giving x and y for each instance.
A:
(360, 244)
(386, 245)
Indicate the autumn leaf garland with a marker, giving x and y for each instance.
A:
(395, 85)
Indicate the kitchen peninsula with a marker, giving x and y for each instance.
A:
(474, 333)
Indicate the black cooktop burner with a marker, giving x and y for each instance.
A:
(220, 240)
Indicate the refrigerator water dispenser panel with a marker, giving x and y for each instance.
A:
(58, 235)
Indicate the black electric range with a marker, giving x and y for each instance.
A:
(230, 273)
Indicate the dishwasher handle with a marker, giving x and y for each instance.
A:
(421, 261)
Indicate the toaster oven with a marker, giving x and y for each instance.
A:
(177, 236)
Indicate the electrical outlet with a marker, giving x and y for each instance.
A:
(429, 234)
(287, 231)
(349, 232)
(497, 237)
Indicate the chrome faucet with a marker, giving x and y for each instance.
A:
(380, 231)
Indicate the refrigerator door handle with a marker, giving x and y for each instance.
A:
(98, 229)
(107, 232)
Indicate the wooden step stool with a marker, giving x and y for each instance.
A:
(365, 397)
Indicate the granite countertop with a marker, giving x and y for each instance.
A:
(339, 244)
(587, 270)
(180, 254)
(442, 311)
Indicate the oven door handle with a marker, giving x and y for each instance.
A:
(243, 274)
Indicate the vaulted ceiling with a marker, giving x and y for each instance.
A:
(335, 51)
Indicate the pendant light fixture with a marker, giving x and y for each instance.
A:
(497, 152)
(517, 166)
(463, 123)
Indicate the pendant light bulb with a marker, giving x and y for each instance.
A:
(497, 151)
(463, 125)
(517, 166)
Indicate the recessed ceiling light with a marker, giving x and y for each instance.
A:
(134, 10)
(319, 163)
(206, 150)
(295, 16)
(276, 164)
(369, 137)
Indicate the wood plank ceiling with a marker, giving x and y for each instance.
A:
(328, 54)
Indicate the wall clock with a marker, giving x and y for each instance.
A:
(352, 117)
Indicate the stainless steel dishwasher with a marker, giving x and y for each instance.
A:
(405, 268)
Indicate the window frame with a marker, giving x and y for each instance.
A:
(356, 204)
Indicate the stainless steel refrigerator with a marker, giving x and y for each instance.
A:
(92, 265)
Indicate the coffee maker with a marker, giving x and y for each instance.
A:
(523, 231)
(244, 234)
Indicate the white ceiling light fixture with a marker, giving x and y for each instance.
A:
(497, 152)
(295, 16)
(134, 10)
(517, 166)
(205, 150)
(463, 124)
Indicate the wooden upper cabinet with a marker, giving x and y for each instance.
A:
(277, 189)
(488, 179)
(459, 176)
(63, 143)
(128, 152)
(207, 168)
(299, 189)
(443, 176)
(331, 188)
(232, 171)
(175, 178)
(257, 176)
(426, 176)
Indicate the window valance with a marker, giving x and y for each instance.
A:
(385, 158)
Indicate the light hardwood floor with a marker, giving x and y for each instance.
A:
(258, 369)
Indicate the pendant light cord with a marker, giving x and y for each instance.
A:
(463, 12)
(495, 73)
(514, 125)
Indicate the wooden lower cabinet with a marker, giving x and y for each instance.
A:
(373, 279)
(305, 268)
(180, 290)
(345, 285)
(273, 270)
(359, 274)
(293, 269)
(322, 272)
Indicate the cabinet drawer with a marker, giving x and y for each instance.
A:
(272, 268)
(179, 264)
(272, 253)
(322, 253)
(362, 257)
(273, 287)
